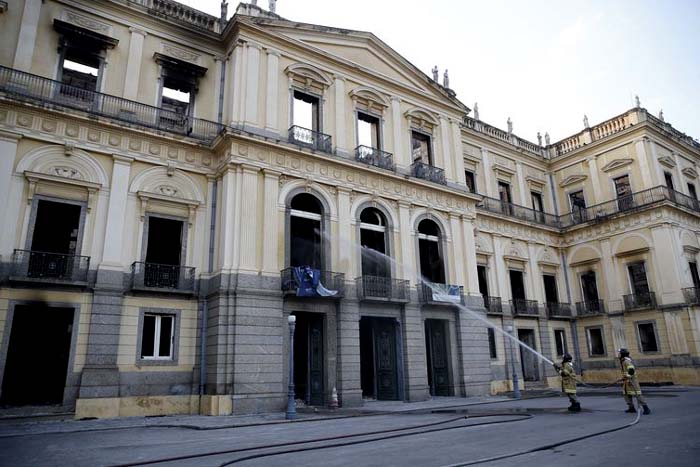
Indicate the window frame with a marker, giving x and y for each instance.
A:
(493, 347)
(692, 190)
(379, 129)
(472, 175)
(175, 314)
(600, 328)
(655, 328)
(431, 150)
(695, 278)
(315, 119)
(565, 344)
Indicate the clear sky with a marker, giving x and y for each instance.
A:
(543, 63)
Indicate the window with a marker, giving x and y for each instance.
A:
(176, 98)
(596, 344)
(483, 280)
(638, 278)
(305, 225)
(504, 192)
(694, 273)
(623, 192)
(578, 206)
(647, 337)
(550, 289)
(431, 262)
(179, 81)
(668, 177)
(517, 286)
(589, 287)
(537, 203)
(306, 112)
(368, 133)
(81, 70)
(421, 150)
(492, 343)
(691, 191)
(470, 181)
(373, 241)
(164, 252)
(158, 337)
(560, 342)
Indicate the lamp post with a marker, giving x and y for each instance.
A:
(291, 403)
(516, 383)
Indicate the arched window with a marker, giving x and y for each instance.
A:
(306, 232)
(432, 266)
(373, 238)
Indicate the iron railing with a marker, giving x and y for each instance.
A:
(692, 295)
(493, 305)
(375, 157)
(383, 288)
(41, 265)
(523, 307)
(639, 301)
(558, 310)
(311, 139)
(162, 276)
(47, 92)
(332, 281)
(428, 172)
(519, 212)
(428, 294)
(590, 308)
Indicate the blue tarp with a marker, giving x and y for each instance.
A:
(446, 293)
(309, 284)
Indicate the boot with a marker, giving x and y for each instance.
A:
(647, 411)
(572, 407)
(630, 409)
(577, 406)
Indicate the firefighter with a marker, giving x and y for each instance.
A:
(630, 385)
(568, 381)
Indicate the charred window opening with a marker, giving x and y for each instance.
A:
(694, 273)
(55, 240)
(306, 228)
(517, 285)
(80, 69)
(470, 181)
(177, 96)
(504, 192)
(157, 337)
(691, 191)
(368, 133)
(179, 85)
(431, 263)
(421, 149)
(164, 251)
(306, 111)
(560, 342)
(483, 280)
(589, 287)
(647, 337)
(550, 288)
(492, 343)
(596, 344)
(537, 203)
(373, 238)
(578, 205)
(668, 178)
(638, 279)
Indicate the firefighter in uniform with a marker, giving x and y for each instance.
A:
(630, 385)
(568, 381)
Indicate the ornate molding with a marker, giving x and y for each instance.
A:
(571, 179)
(86, 22)
(690, 172)
(667, 161)
(616, 164)
(179, 53)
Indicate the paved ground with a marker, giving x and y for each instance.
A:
(434, 433)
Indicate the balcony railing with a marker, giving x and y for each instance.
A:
(47, 92)
(441, 293)
(558, 310)
(590, 308)
(310, 139)
(523, 307)
(308, 282)
(375, 157)
(493, 305)
(382, 288)
(428, 172)
(639, 301)
(519, 212)
(692, 295)
(49, 267)
(167, 277)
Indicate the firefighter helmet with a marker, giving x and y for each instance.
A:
(567, 357)
(623, 352)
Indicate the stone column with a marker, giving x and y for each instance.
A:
(339, 87)
(415, 376)
(401, 156)
(522, 187)
(27, 35)
(133, 63)
(113, 250)
(11, 204)
(407, 245)
(595, 181)
(271, 96)
(499, 265)
(348, 356)
(657, 173)
(643, 161)
(271, 230)
(345, 249)
(610, 273)
(458, 155)
(491, 189)
(249, 232)
(682, 184)
(251, 84)
(446, 150)
(457, 257)
(666, 268)
(472, 285)
(535, 276)
(235, 79)
(226, 218)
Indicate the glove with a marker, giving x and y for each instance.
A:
(557, 367)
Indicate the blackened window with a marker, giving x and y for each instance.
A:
(470, 180)
(368, 133)
(668, 177)
(421, 150)
(306, 111)
(305, 225)
(432, 266)
(691, 191)
(560, 342)
(504, 192)
(596, 344)
(694, 274)
(647, 337)
(492, 343)
(537, 203)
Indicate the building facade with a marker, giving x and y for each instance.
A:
(174, 186)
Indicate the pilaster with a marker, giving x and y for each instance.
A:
(491, 190)
(27, 35)
(340, 141)
(447, 162)
(272, 94)
(10, 206)
(252, 84)
(472, 285)
(457, 257)
(133, 63)
(522, 187)
(400, 155)
(596, 192)
(113, 250)
(457, 152)
(249, 232)
(271, 230)
(643, 161)
(407, 236)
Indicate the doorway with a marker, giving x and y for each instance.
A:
(378, 358)
(528, 360)
(437, 356)
(309, 358)
(164, 252)
(37, 356)
(54, 240)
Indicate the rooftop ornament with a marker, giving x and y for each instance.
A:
(510, 125)
(476, 110)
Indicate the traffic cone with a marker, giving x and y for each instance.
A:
(334, 399)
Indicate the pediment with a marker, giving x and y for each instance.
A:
(616, 164)
(571, 179)
(667, 161)
(690, 172)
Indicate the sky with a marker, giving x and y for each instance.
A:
(543, 63)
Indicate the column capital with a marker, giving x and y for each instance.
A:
(139, 31)
(121, 159)
(271, 173)
(272, 52)
(10, 136)
(247, 168)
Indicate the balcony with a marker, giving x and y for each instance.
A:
(493, 305)
(639, 301)
(162, 277)
(522, 307)
(382, 289)
(558, 310)
(519, 212)
(428, 172)
(39, 266)
(441, 294)
(309, 282)
(310, 139)
(54, 94)
(692, 295)
(590, 308)
(375, 157)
